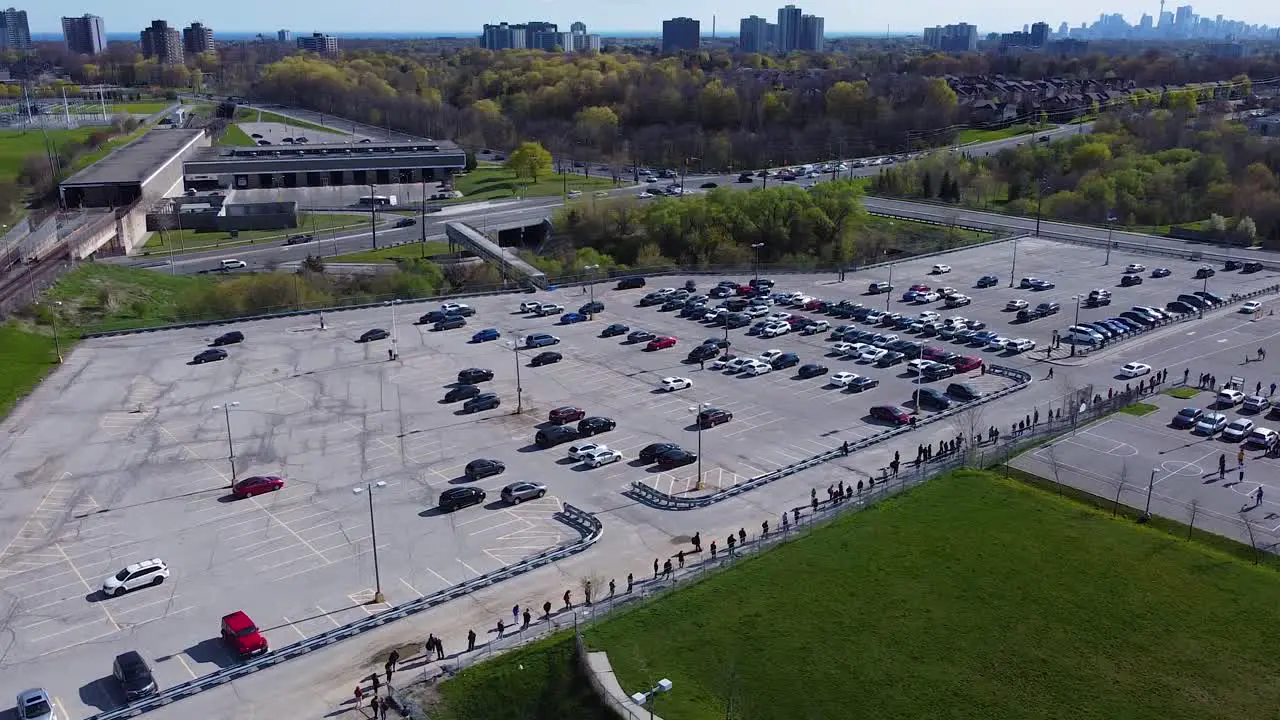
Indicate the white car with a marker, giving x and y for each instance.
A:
(530, 306)
(1229, 398)
(645, 195)
(958, 300)
(550, 309)
(800, 300)
(757, 311)
(139, 574)
(1237, 429)
(770, 355)
(998, 342)
(927, 315)
(820, 326)
(450, 307)
(885, 340)
(919, 364)
(578, 451)
(874, 317)
(713, 314)
(1251, 307)
(772, 331)
(757, 367)
(842, 379)
(872, 355)
(1016, 304)
(665, 292)
(855, 350)
(841, 348)
(956, 321)
(232, 264)
(928, 297)
(601, 456)
(780, 316)
(940, 269)
(1135, 369)
(671, 384)
(1135, 268)
(1020, 345)
(575, 193)
(1210, 424)
(1263, 437)
(721, 363)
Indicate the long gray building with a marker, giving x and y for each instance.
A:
(320, 165)
(146, 168)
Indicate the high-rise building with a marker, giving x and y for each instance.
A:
(1183, 18)
(812, 36)
(681, 33)
(1039, 34)
(543, 36)
(579, 40)
(319, 43)
(1146, 23)
(503, 37)
(84, 35)
(788, 28)
(197, 39)
(162, 42)
(15, 34)
(578, 27)
(284, 37)
(961, 37)
(753, 34)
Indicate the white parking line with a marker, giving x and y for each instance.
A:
(289, 622)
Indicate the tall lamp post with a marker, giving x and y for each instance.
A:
(591, 286)
(756, 247)
(395, 350)
(373, 531)
(1111, 224)
(647, 697)
(373, 216)
(231, 450)
(1013, 267)
(514, 344)
(697, 418)
(57, 342)
(1077, 322)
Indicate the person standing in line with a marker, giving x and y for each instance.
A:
(373, 706)
(586, 590)
(359, 695)
(666, 569)
(680, 558)
(382, 714)
(439, 649)
(376, 684)
(713, 545)
(567, 605)
(655, 568)
(613, 587)
(630, 582)
(471, 640)
(527, 617)
(501, 627)
(697, 542)
(1222, 466)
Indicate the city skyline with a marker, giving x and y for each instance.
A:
(414, 18)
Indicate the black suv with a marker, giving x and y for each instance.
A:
(595, 425)
(649, 453)
(450, 322)
(987, 281)
(1204, 272)
(615, 329)
(703, 353)
(1231, 265)
(460, 497)
(461, 392)
(712, 417)
(937, 371)
(231, 338)
(471, 376)
(552, 436)
(932, 398)
(483, 401)
(630, 282)
(591, 308)
(134, 675)
(1251, 267)
(963, 392)
(483, 468)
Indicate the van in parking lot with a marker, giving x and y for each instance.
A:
(628, 283)
(538, 340)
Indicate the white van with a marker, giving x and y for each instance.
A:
(232, 264)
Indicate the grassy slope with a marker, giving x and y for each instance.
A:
(25, 358)
(245, 114)
(971, 598)
(235, 136)
(971, 135)
(489, 183)
(414, 250)
(190, 240)
(16, 145)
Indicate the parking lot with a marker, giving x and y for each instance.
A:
(126, 457)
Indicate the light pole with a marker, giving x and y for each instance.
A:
(591, 286)
(756, 247)
(697, 418)
(647, 697)
(373, 215)
(373, 532)
(1077, 322)
(1111, 219)
(422, 217)
(395, 351)
(1013, 268)
(915, 407)
(1039, 200)
(514, 344)
(889, 294)
(57, 343)
(231, 450)
(1146, 514)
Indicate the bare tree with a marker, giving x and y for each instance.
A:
(1253, 542)
(1055, 465)
(969, 425)
(1122, 477)
(1193, 509)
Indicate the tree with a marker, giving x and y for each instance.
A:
(1217, 225)
(1247, 228)
(926, 184)
(471, 161)
(529, 161)
(944, 187)
(1243, 84)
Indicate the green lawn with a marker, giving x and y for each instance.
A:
(245, 114)
(971, 135)
(971, 597)
(490, 183)
(1139, 409)
(233, 135)
(25, 358)
(142, 107)
(1182, 393)
(190, 240)
(392, 254)
(17, 145)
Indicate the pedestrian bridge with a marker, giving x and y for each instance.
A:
(509, 264)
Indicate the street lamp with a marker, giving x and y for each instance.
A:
(1111, 220)
(647, 697)
(231, 450)
(684, 171)
(1013, 268)
(1040, 186)
(889, 293)
(514, 344)
(756, 247)
(57, 343)
(1077, 322)
(1146, 514)
(697, 418)
(373, 531)
(591, 286)
(373, 215)
(395, 351)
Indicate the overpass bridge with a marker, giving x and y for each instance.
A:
(508, 263)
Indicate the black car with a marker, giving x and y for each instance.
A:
(374, 334)
(1194, 301)
(1204, 272)
(987, 281)
(712, 417)
(210, 355)
(545, 358)
(432, 317)
(591, 308)
(483, 401)
(720, 292)
(615, 329)
(1139, 318)
(1209, 297)
(1251, 267)
(461, 392)
(736, 320)
(134, 675)
(1231, 265)
(891, 359)
(932, 398)
(483, 468)
(471, 376)
(862, 382)
(811, 370)
(649, 453)
(630, 282)
(963, 392)
(675, 458)
(937, 371)
(671, 306)
(745, 178)
(450, 322)
(555, 435)
(1161, 272)
(703, 353)
(406, 222)
(1187, 417)
(785, 360)
(1177, 306)
(637, 336)
(1048, 308)
(1128, 280)
(595, 425)
(231, 338)
(460, 497)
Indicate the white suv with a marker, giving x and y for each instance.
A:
(139, 574)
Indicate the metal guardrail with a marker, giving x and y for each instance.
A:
(664, 501)
(588, 525)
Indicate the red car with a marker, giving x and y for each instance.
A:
(257, 485)
(568, 413)
(661, 343)
(797, 321)
(919, 288)
(814, 305)
(891, 414)
(242, 636)
(744, 290)
(965, 364)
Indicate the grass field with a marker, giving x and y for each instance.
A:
(971, 597)
(490, 183)
(1182, 393)
(971, 135)
(391, 254)
(1139, 409)
(233, 135)
(25, 358)
(191, 240)
(17, 145)
(245, 114)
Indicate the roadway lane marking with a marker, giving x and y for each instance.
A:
(442, 578)
(327, 615)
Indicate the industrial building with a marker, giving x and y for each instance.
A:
(145, 169)
(321, 165)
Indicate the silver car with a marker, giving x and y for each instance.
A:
(35, 704)
(518, 492)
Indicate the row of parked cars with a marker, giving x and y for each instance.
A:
(1136, 319)
(1212, 421)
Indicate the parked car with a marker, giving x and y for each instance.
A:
(538, 340)
(450, 322)
(518, 492)
(374, 335)
(257, 485)
(932, 398)
(481, 468)
(486, 335)
(1264, 438)
(1237, 430)
(964, 392)
(545, 358)
(210, 355)
(1210, 424)
(571, 318)
(661, 343)
(710, 417)
(483, 401)
(891, 414)
(1187, 418)
(459, 393)
(241, 634)
(811, 370)
(229, 338)
(675, 458)
(456, 498)
(136, 575)
(35, 704)
(987, 281)
(134, 676)
(649, 453)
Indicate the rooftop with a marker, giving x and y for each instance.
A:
(314, 150)
(134, 163)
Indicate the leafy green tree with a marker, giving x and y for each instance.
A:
(529, 161)
(926, 185)
(471, 161)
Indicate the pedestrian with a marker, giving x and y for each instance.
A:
(895, 456)
(515, 613)
(586, 591)
(546, 608)
(742, 532)
(1257, 389)
(1273, 388)
(1036, 418)
(501, 627)
(429, 645)
(1050, 375)
(528, 616)
(713, 545)
(859, 487)
(786, 524)
(439, 649)
(796, 515)
(666, 569)
(1240, 456)
(813, 493)
(764, 529)
(382, 710)
(680, 558)
(631, 582)
(731, 540)
(567, 605)
(815, 506)
(376, 685)
(845, 447)
(697, 542)
(1258, 493)
(359, 693)
(471, 640)
(839, 493)
(1240, 475)
(1222, 466)
(613, 588)
(374, 704)
(655, 568)
(1186, 373)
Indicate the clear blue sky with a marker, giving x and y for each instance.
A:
(406, 16)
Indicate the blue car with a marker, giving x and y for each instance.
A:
(486, 335)
(573, 317)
